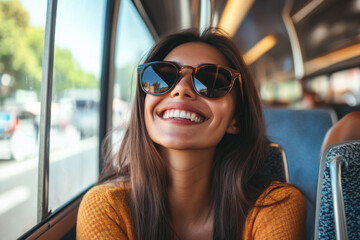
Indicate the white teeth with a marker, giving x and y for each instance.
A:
(175, 113)
(192, 117)
(166, 115)
(182, 114)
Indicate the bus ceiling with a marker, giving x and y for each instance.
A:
(317, 35)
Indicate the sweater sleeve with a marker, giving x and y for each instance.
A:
(97, 218)
(281, 216)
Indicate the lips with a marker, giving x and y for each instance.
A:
(182, 115)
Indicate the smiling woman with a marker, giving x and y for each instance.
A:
(212, 118)
(190, 164)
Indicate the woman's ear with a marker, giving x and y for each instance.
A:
(233, 127)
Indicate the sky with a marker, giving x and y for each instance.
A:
(134, 39)
(79, 28)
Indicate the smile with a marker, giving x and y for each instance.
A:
(182, 114)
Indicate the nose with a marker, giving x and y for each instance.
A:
(184, 87)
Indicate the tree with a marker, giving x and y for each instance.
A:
(13, 24)
(68, 73)
(21, 52)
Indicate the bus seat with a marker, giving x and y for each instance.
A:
(275, 166)
(338, 201)
(341, 109)
(300, 133)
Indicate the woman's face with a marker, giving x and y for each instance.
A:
(211, 117)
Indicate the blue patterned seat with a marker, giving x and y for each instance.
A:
(275, 166)
(339, 169)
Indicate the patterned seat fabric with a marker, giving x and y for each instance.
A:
(350, 179)
(275, 166)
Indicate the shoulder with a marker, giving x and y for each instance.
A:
(106, 194)
(347, 128)
(107, 197)
(105, 209)
(279, 213)
(280, 192)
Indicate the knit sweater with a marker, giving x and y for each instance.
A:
(104, 213)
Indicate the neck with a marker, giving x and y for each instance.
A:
(189, 185)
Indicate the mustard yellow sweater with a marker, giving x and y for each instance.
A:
(104, 213)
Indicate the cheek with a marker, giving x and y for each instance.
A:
(150, 103)
(224, 110)
(148, 109)
(231, 104)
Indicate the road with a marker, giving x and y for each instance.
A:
(72, 169)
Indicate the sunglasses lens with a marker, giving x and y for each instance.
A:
(158, 78)
(212, 81)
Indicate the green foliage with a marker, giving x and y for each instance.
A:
(13, 21)
(21, 52)
(14, 12)
(68, 74)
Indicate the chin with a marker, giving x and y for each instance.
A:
(184, 145)
(176, 145)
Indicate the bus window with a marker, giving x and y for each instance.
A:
(22, 25)
(74, 137)
(133, 40)
(341, 87)
(340, 90)
(345, 86)
(280, 94)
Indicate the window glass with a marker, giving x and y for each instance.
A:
(22, 24)
(342, 87)
(345, 86)
(320, 85)
(280, 94)
(74, 143)
(133, 41)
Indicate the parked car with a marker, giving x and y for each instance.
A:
(18, 134)
(80, 108)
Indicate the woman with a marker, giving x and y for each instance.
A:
(189, 166)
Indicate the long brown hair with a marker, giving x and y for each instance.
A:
(235, 179)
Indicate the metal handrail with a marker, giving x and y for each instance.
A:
(294, 40)
(338, 199)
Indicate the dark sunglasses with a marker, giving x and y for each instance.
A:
(209, 80)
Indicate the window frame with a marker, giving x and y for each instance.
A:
(63, 220)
